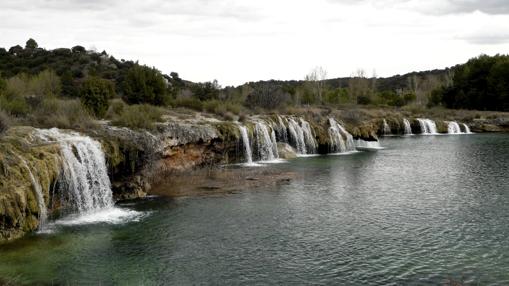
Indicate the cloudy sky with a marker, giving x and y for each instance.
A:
(239, 41)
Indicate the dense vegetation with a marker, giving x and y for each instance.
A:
(482, 83)
(69, 88)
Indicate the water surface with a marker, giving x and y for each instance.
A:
(426, 210)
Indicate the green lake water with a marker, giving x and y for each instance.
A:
(425, 210)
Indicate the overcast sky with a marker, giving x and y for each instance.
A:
(239, 41)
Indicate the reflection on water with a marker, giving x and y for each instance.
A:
(423, 211)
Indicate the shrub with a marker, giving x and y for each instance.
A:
(14, 104)
(145, 85)
(45, 83)
(141, 116)
(188, 102)
(117, 107)
(67, 114)
(95, 93)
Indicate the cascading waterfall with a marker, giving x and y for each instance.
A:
(428, 126)
(43, 211)
(84, 183)
(274, 142)
(248, 154)
(301, 136)
(408, 127)
(297, 136)
(386, 128)
(309, 139)
(282, 131)
(453, 127)
(266, 145)
(341, 140)
(467, 129)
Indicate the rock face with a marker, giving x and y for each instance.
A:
(20, 155)
(286, 151)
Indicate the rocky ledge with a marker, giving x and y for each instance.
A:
(138, 160)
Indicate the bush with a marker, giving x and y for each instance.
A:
(145, 85)
(45, 83)
(142, 116)
(117, 107)
(187, 102)
(95, 93)
(14, 104)
(66, 114)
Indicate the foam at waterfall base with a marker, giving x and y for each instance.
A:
(262, 163)
(307, 155)
(346, 153)
(113, 215)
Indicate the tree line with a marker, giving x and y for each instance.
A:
(34, 80)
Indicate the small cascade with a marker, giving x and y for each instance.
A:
(453, 127)
(281, 129)
(43, 211)
(386, 128)
(266, 145)
(248, 154)
(274, 143)
(467, 129)
(428, 126)
(368, 145)
(341, 140)
(297, 136)
(84, 183)
(309, 139)
(408, 127)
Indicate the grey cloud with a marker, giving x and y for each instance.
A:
(438, 7)
(128, 8)
(486, 38)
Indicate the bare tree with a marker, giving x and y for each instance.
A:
(317, 79)
(359, 86)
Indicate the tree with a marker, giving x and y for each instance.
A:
(31, 44)
(267, 95)
(95, 93)
(317, 79)
(78, 49)
(359, 88)
(206, 91)
(144, 85)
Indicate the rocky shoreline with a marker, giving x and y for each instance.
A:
(140, 161)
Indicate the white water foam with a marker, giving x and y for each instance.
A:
(113, 215)
(408, 127)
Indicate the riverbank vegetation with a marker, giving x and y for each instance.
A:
(72, 88)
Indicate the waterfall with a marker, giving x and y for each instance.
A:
(266, 145)
(408, 128)
(274, 143)
(247, 146)
(297, 136)
(341, 140)
(467, 129)
(309, 139)
(301, 136)
(386, 128)
(84, 182)
(43, 212)
(282, 131)
(453, 127)
(428, 126)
